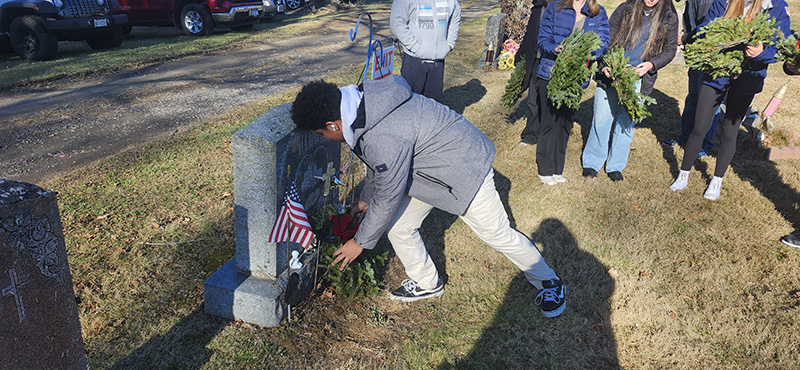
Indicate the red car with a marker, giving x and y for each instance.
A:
(198, 17)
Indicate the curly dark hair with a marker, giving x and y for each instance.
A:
(316, 103)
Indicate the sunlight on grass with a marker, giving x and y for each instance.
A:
(655, 279)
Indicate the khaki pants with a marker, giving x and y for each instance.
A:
(486, 217)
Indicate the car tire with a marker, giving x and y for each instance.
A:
(196, 20)
(106, 40)
(126, 29)
(30, 39)
(294, 4)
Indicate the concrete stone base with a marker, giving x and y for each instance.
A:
(784, 152)
(236, 296)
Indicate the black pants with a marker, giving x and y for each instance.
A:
(530, 133)
(736, 108)
(425, 77)
(554, 128)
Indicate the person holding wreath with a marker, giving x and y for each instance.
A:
(560, 19)
(648, 32)
(739, 89)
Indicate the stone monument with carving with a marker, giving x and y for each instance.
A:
(267, 154)
(39, 324)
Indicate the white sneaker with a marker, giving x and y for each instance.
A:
(559, 178)
(548, 180)
(681, 182)
(712, 192)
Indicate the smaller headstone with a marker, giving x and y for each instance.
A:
(493, 41)
(39, 324)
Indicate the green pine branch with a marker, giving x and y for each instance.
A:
(514, 86)
(624, 78)
(789, 51)
(720, 53)
(572, 68)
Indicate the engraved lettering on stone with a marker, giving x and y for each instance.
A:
(14, 289)
(35, 238)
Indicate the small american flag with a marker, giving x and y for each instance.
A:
(292, 220)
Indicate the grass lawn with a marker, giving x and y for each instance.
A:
(655, 279)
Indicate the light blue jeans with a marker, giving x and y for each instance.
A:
(603, 147)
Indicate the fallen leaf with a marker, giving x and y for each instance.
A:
(636, 207)
(599, 327)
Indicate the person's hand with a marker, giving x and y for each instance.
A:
(606, 71)
(357, 210)
(347, 253)
(680, 38)
(642, 68)
(559, 48)
(753, 51)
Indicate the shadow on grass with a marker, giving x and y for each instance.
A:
(765, 177)
(581, 338)
(183, 347)
(459, 98)
(665, 124)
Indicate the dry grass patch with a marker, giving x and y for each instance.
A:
(655, 279)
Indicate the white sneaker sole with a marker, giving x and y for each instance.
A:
(412, 299)
(555, 312)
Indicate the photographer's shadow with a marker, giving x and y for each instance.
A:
(519, 337)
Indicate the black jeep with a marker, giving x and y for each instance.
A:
(34, 27)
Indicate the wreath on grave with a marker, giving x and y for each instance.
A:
(362, 276)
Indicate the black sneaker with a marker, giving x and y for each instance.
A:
(615, 176)
(409, 291)
(551, 299)
(589, 172)
(792, 240)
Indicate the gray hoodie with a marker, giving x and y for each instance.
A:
(416, 146)
(427, 29)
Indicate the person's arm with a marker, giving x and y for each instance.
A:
(391, 165)
(455, 23)
(602, 31)
(766, 55)
(668, 51)
(546, 40)
(399, 24)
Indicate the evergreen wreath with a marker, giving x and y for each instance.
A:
(720, 52)
(624, 78)
(514, 86)
(572, 67)
(789, 51)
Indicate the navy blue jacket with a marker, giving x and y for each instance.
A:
(557, 25)
(753, 74)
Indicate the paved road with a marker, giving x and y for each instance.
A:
(66, 125)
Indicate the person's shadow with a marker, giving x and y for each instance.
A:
(519, 337)
(459, 98)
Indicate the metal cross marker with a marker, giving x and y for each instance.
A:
(14, 288)
(327, 176)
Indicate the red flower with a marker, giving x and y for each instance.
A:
(344, 227)
(798, 44)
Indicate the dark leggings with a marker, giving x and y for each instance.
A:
(707, 103)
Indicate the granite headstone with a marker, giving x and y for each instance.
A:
(268, 154)
(39, 323)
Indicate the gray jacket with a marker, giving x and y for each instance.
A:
(427, 29)
(414, 146)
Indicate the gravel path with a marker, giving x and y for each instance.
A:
(65, 125)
